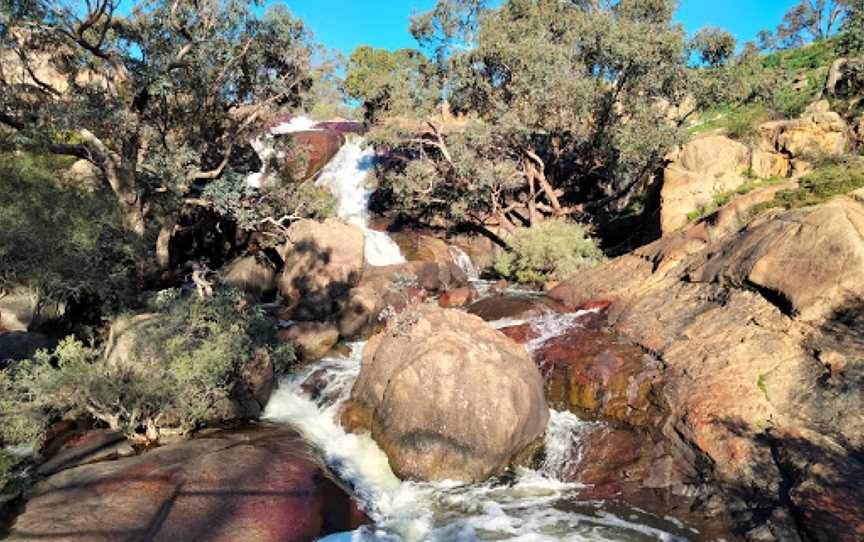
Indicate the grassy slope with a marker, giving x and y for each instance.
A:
(800, 74)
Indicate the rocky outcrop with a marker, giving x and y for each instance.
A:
(311, 151)
(700, 169)
(395, 286)
(20, 310)
(708, 166)
(808, 262)
(323, 262)
(458, 297)
(757, 348)
(449, 397)
(261, 484)
(819, 132)
(714, 164)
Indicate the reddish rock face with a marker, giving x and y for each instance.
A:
(262, 484)
(346, 127)
(514, 306)
(521, 333)
(313, 150)
(590, 371)
(459, 297)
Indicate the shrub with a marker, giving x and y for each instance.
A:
(181, 365)
(232, 198)
(62, 242)
(552, 250)
(820, 186)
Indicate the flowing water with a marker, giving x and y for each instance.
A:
(464, 262)
(535, 505)
(346, 175)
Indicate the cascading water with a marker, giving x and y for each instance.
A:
(464, 262)
(535, 506)
(346, 175)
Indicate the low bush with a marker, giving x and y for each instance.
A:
(820, 186)
(180, 365)
(553, 250)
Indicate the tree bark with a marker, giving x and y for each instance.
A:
(121, 178)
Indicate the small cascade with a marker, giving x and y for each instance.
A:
(464, 262)
(264, 148)
(534, 506)
(346, 175)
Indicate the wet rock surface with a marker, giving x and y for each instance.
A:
(258, 484)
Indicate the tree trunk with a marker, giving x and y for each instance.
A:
(121, 177)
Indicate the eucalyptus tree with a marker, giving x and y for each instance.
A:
(565, 108)
(158, 97)
(389, 83)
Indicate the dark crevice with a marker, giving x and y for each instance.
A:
(789, 478)
(783, 303)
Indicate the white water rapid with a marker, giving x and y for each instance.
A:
(534, 507)
(346, 176)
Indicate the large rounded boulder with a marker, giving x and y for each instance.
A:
(323, 262)
(449, 397)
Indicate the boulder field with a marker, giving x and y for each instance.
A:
(742, 352)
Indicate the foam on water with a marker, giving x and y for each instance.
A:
(535, 506)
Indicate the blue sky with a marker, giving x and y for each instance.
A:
(345, 24)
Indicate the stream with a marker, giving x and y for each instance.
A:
(531, 505)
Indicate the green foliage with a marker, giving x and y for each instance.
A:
(756, 89)
(808, 20)
(534, 81)
(714, 45)
(852, 40)
(763, 386)
(252, 207)
(180, 365)
(738, 122)
(552, 250)
(390, 83)
(821, 185)
(159, 95)
(10, 467)
(61, 241)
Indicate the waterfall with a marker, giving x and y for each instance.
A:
(464, 262)
(346, 175)
(263, 147)
(535, 506)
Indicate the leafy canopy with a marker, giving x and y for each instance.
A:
(567, 106)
